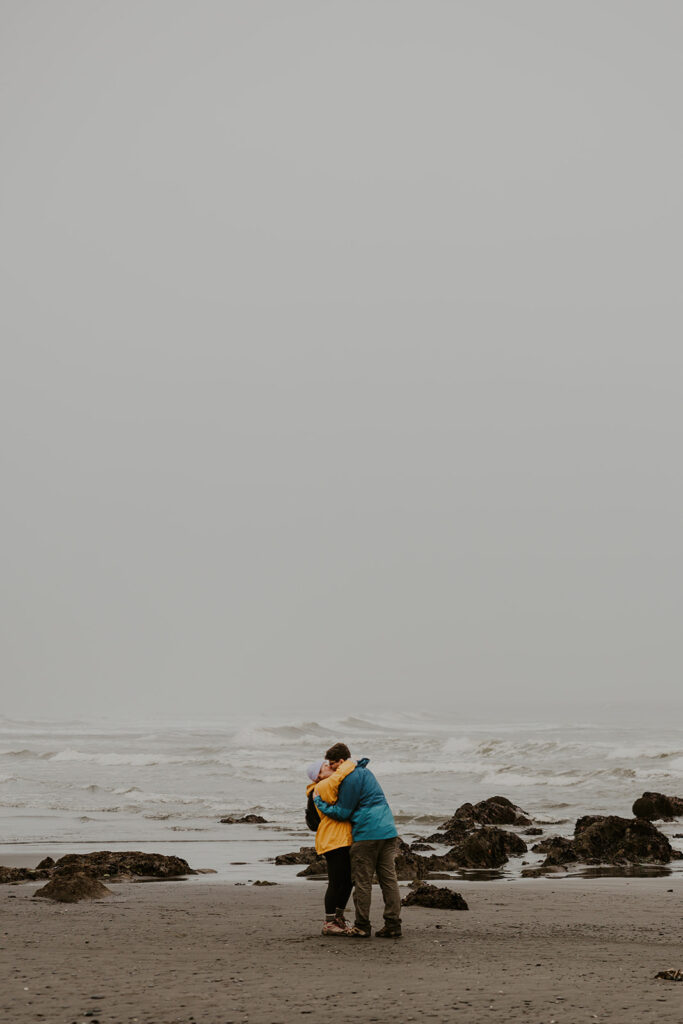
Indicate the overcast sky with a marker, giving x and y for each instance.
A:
(341, 353)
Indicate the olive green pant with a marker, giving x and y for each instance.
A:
(367, 857)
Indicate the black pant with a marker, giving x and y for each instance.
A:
(339, 882)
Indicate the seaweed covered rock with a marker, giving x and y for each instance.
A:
(304, 855)
(496, 810)
(409, 864)
(122, 864)
(586, 821)
(615, 840)
(13, 875)
(424, 895)
(557, 849)
(314, 869)
(600, 839)
(73, 887)
(487, 847)
(248, 819)
(657, 807)
(452, 831)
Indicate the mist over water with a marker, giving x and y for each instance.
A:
(323, 385)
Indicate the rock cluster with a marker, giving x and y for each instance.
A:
(424, 895)
(70, 876)
(496, 810)
(67, 875)
(122, 865)
(477, 841)
(474, 843)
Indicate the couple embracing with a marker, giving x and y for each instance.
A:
(355, 830)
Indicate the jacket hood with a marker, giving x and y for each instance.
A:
(364, 762)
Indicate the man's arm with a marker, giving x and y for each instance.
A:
(349, 796)
(328, 789)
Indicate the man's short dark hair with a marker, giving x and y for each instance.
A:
(338, 752)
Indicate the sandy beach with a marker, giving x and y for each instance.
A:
(539, 950)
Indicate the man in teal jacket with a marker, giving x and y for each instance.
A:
(375, 843)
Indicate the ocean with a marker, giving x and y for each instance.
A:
(163, 786)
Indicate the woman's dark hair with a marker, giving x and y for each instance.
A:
(338, 752)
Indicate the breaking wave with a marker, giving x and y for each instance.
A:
(189, 777)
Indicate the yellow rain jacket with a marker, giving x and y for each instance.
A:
(332, 834)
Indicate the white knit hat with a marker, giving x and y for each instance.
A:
(313, 770)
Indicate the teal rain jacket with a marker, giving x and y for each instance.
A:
(362, 801)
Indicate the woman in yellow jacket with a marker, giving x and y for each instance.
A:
(333, 840)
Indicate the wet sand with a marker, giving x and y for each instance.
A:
(204, 953)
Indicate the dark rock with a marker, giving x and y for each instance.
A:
(600, 839)
(485, 848)
(46, 863)
(305, 855)
(72, 888)
(13, 875)
(532, 831)
(548, 843)
(452, 831)
(614, 840)
(123, 864)
(315, 869)
(248, 819)
(557, 849)
(656, 807)
(262, 882)
(586, 821)
(514, 844)
(424, 895)
(496, 810)
(410, 865)
(420, 846)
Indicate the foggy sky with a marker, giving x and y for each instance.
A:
(341, 353)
